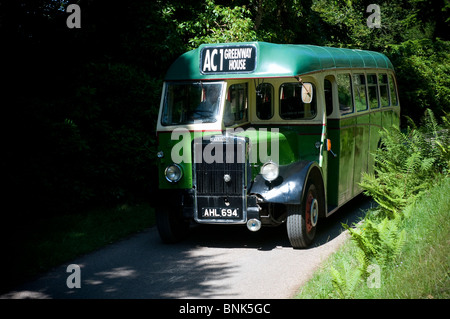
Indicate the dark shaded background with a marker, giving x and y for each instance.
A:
(79, 106)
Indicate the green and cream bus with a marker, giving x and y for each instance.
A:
(263, 134)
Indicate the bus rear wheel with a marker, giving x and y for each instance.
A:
(171, 225)
(302, 219)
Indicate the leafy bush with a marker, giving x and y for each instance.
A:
(115, 113)
(408, 163)
(413, 34)
(406, 166)
(423, 75)
(420, 271)
(379, 242)
(93, 146)
(219, 24)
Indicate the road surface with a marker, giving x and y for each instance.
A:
(213, 262)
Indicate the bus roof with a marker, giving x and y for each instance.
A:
(262, 59)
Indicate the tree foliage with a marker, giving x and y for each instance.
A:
(81, 104)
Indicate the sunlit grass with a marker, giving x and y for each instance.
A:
(421, 271)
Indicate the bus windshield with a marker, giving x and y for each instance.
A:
(191, 102)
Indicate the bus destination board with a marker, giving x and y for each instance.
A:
(228, 59)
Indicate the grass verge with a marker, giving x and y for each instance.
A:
(420, 271)
(38, 246)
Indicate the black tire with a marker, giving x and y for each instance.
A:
(302, 219)
(172, 227)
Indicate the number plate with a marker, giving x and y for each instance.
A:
(220, 213)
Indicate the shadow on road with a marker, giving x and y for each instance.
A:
(267, 238)
(143, 267)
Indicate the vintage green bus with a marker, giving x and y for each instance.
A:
(264, 134)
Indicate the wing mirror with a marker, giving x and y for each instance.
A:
(307, 93)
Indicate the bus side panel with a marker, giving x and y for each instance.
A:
(346, 154)
(332, 164)
(302, 141)
(396, 116)
(362, 140)
(386, 120)
(375, 127)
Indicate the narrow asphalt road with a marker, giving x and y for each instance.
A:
(213, 262)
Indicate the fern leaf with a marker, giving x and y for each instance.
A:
(338, 282)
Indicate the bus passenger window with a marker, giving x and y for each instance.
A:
(236, 108)
(345, 93)
(328, 96)
(291, 104)
(372, 89)
(264, 101)
(359, 82)
(393, 90)
(384, 93)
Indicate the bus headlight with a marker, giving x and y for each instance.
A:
(173, 173)
(269, 171)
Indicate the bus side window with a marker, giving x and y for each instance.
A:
(264, 101)
(384, 90)
(372, 89)
(344, 83)
(359, 85)
(328, 90)
(393, 90)
(291, 104)
(236, 108)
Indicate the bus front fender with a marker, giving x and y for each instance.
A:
(289, 186)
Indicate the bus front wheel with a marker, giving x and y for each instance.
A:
(302, 219)
(172, 227)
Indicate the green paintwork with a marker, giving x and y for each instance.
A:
(282, 60)
(295, 143)
(362, 135)
(166, 145)
(340, 169)
(354, 139)
(375, 127)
